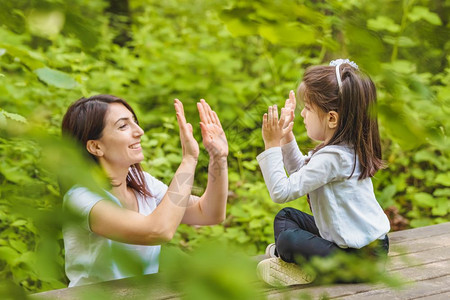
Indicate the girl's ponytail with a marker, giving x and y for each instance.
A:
(358, 125)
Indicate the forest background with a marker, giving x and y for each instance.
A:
(241, 56)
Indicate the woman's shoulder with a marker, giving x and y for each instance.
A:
(155, 185)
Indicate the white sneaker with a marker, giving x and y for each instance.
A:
(277, 272)
(270, 250)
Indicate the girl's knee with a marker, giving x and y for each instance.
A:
(287, 245)
(285, 212)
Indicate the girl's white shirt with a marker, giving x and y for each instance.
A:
(93, 258)
(345, 210)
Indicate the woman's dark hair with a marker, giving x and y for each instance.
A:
(355, 104)
(85, 120)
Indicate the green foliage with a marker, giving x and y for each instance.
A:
(241, 56)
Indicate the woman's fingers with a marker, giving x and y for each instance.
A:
(207, 116)
(179, 107)
(216, 119)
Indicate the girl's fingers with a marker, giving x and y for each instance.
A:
(292, 99)
(288, 129)
(265, 120)
(282, 117)
(275, 115)
(269, 116)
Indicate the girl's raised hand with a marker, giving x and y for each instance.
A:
(288, 113)
(188, 142)
(273, 130)
(214, 138)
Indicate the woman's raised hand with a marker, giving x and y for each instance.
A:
(188, 142)
(288, 115)
(214, 138)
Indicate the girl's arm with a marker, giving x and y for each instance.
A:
(210, 208)
(293, 158)
(322, 168)
(116, 223)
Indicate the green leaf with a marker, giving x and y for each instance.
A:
(14, 117)
(56, 78)
(20, 246)
(288, 34)
(423, 13)
(383, 23)
(8, 253)
(401, 41)
(24, 56)
(442, 192)
(442, 207)
(19, 223)
(443, 179)
(421, 222)
(2, 120)
(424, 200)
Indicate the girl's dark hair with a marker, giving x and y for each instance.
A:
(85, 120)
(355, 104)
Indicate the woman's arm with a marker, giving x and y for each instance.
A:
(114, 222)
(210, 208)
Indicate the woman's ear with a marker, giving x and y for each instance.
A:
(333, 118)
(93, 147)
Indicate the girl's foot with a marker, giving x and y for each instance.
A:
(277, 272)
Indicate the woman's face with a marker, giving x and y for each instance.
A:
(120, 143)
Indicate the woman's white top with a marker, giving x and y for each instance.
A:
(345, 210)
(93, 258)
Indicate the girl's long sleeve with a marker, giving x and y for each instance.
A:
(322, 169)
(293, 158)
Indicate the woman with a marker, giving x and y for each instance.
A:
(141, 212)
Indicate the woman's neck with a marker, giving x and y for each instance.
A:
(120, 189)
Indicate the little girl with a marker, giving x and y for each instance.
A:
(336, 175)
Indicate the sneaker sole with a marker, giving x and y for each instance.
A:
(276, 272)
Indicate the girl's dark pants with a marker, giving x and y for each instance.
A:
(296, 235)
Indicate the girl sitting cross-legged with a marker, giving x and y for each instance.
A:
(336, 175)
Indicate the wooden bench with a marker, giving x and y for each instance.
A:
(426, 271)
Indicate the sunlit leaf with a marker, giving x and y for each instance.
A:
(383, 23)
(56, 78)
(423, 13)
(443, 179)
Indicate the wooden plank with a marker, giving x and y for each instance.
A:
(143, 287)
(435, 287)
(419, 233)
(442, 296)
(418, 258)
(431, 272)
(418, 245)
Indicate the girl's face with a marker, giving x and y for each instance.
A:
(316, 123)
(120, 143)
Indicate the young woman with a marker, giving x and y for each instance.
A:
(140, 212)
(336, 175)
